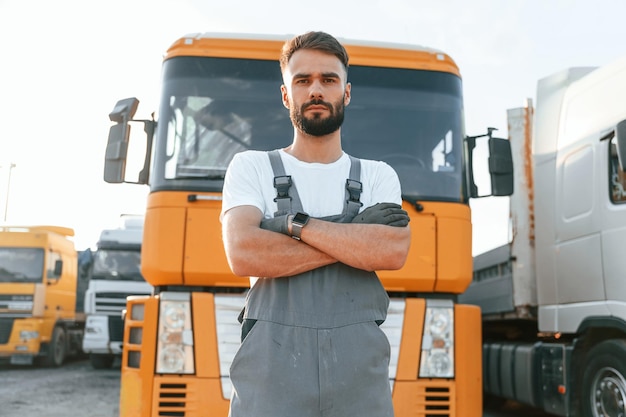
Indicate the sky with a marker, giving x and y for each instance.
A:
(67, 62)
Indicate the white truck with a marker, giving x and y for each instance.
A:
(553, 300)
(115, 273)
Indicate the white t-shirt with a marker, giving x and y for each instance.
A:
(321, 187)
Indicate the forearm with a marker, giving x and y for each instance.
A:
(261, 253)
(369, 247)
(378, 240)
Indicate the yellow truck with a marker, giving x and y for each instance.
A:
(407, 110)
(41, 295)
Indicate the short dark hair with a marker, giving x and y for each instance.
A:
(320, 41)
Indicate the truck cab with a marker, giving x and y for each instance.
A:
(553, 299)
(407, 110)
(41, 319)
(114, 270)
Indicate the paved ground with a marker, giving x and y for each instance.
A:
(75, 389)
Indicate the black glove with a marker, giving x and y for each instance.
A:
(276, 224)
(388, 214)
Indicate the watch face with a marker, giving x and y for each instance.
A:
(300, 218)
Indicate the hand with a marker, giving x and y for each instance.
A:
(388, 214)
(278, 224)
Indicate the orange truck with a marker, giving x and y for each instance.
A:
(42, 318)
(407, 110)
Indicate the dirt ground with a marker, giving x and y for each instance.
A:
(75, 389)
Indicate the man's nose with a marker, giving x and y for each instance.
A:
(316, 90)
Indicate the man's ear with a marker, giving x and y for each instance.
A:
(284, 95)
(347, 94)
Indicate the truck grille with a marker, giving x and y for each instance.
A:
(172, 400)
(228, 307)
(6, 326)
(116, 328)
(436, 400)
(110, 303)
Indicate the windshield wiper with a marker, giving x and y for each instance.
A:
(129, 277)
(202, 177)
(191, 172)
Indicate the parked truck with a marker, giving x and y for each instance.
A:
(553, 300)
(114, 270)
(407, 110)
(41, 295)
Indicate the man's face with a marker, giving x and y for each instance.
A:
(315, 92)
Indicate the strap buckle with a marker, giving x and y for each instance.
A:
(355, 188)
(282, 184)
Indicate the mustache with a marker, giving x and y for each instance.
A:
(317, 103)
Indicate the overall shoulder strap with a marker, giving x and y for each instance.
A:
(287, 198)
(354, 187)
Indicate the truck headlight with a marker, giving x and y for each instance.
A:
(437, 359)
(175, 334)
(97, 325)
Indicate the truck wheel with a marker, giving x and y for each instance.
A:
(101, 361)
(604, 381)
(56, 349)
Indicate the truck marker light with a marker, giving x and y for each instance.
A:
(135, 336)
(136, 312)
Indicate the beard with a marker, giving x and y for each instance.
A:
(318, 126)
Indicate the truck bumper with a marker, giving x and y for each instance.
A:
(23, 339)
(22, 359)
(97, 340)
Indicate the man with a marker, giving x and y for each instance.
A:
(294, 218)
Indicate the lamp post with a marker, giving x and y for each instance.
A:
(6, 202)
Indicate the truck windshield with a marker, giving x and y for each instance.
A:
(21, 264)
(212, 108)
(117, 265)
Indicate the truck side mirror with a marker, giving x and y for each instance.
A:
(58, 268)
(620, 134)
(500, 167)
(117, 145)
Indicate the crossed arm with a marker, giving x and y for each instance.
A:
(255, 251)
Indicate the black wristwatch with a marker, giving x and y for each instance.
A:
(297, 224)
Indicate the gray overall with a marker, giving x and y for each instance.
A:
(311, 345)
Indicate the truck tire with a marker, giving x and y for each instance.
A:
(57, 349)
(604, 380)
(100, 361)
